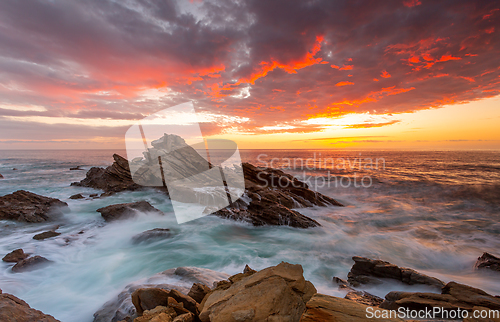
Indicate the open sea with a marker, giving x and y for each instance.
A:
(435, 212)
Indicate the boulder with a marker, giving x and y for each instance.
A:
(30, 264)
(77, 196)
(277, 293)
(149, 298)
(114, 178)
(26, 206)
(46, 234)
(158, 314)
(180, 279)
(454, 296)
(152, 234)
(198, 292)
(322, 308)
(488, 261)
(366, 271)
(364, 298)
(126, 210)
(15, 309)
(15, 256)
(1, 176)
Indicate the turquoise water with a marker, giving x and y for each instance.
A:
(432, 211)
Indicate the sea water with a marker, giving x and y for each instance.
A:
(432, 211)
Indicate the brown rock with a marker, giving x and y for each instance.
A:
(77, 196)
(1, 176)
(149, 298)
(30, 263)
(15, 256)
(198, 292)
(158, 314)
(126, 210)
(152, 234)
(323, 308)
(366, 271)
(46, 234)
(15, 309)
(488, 261)
(29, 207)
(364, 298)
(279, 293)
(186, 317)
(188, 302)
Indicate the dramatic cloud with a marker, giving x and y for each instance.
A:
(274, 63)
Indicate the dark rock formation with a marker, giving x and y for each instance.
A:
(1, 176)
(76, 168)
(152, 234)
(366, 271)
(198, 292)
(149, 298)
(453, 296)
(15, 256)
(126, 210)
(77, 196)
(31, 263)
(29, 207)
(488, 261)
(15, 309)
(46, 234)
(114, 178)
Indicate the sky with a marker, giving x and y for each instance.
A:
(278, 74)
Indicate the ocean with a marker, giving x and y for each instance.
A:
(434, 211)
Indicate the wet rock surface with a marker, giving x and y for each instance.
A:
(367, 271)
(126, 210)
(77, 196)
(114, 178)
(26, 206)
(488, 261)
(30, 264)
(151, 235)
(15, 256)
(15, 309)
(46, 234)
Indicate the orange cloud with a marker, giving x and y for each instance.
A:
(344, 83)
(385, 74)
(412, 3)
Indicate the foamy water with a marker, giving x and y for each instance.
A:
(432, 211)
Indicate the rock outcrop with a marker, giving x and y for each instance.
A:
(367, 271)
(15, 309)
(151, 235)
(279, 293)
(77, 196)
(198, 292)
(46, 234)
(149, 298)
(180, 279)
(127, 210)
(488, 261)
(1, 176)
(30, 264)
(323, 308)
(453, 296)
(114, 178)
(26, 206)
(15, 256)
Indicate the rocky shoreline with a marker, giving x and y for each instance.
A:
(276, 293)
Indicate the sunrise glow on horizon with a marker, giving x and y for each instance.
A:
(407, 75)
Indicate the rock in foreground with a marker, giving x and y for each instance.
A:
(126, 210)
(46, 234)
(279, 293)
(15, 256)
(151, 235)
(26, 206)
(366, 271)
(15, 309)
(488, 261)
(30, 264)
(323, 308)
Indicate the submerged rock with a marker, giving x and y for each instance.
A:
(152, 234)
(29, 207)
(180, 279)
(453, 296)
(15, 256)
(76, 168)
(279, 293)
(15, 309)
(126, 210)
(488, 261)
(46, 234)
(329, 308)
(114, 178)
(367, 271)
(30, 263)
(77, 196)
